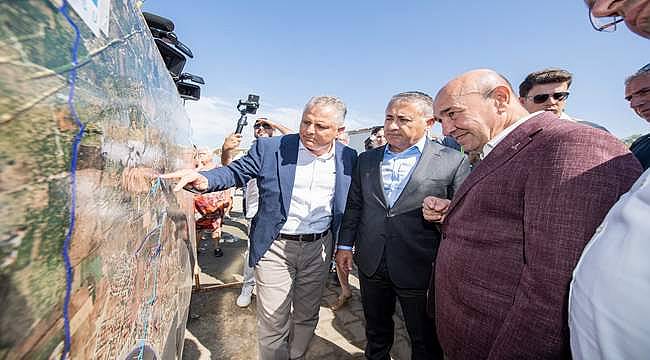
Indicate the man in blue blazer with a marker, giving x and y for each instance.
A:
(303, 182)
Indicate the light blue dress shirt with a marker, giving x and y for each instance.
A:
(396, 169)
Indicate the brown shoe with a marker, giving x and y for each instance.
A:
(340, 302)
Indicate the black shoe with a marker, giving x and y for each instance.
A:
(218, 252)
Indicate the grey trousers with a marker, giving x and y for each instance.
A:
(290, 279)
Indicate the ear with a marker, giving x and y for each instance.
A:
(340, 130)
(502, 97)
(522, 100)
(430, 122)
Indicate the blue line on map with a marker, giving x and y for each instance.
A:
(72, 76)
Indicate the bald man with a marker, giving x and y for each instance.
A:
(513, 232)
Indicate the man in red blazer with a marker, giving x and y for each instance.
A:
(513, 232)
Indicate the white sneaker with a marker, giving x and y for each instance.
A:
(244, 298)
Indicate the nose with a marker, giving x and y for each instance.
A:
(604, 8)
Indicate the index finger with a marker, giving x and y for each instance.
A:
(173, 175)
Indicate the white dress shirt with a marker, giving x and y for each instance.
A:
(252, 198)
(487, 148)
(609, 301)
(312, 197)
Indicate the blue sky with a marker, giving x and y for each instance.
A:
(366, 51)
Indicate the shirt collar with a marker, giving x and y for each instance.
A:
(487, 148)
(418, 146)
(328, 155)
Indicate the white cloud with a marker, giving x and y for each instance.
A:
(354, 120)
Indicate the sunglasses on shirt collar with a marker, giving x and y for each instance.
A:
(542, 98)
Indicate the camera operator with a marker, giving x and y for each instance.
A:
(263, 128)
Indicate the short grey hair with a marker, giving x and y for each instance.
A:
(423, 101)
(642, 71)
(333, 101)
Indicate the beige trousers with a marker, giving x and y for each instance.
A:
(290, 278)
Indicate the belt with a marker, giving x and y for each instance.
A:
(304, 237)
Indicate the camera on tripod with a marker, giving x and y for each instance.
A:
(174, 53)
(249, 106)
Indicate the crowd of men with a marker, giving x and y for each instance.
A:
(536, 250)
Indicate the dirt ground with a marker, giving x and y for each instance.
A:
(219, 329)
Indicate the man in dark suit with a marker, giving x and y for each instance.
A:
(513, 232)
(394, 246)
(303, 182)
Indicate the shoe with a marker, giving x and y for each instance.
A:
(340, 302)
(244, 298)
(218, 252)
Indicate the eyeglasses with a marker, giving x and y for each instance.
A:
(604, 24)
(262, 125)
(558, 96)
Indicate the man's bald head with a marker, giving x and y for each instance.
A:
(480, 80)
(476, 106)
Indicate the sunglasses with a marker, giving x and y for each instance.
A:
(542, 98)
(262, 125)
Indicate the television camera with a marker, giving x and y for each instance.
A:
(174, 53)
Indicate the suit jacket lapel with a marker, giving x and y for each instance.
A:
(422, 170)
(287, 158)
(512, 144)
(376, 179)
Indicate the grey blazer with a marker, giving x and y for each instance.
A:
(399, 233)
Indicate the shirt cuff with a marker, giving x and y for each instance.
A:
(344, 247)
